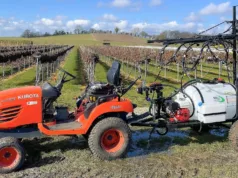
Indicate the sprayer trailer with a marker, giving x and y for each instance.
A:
(197, 104)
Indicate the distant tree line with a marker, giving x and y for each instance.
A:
(31, 34)
(137, 32)
(174, 34)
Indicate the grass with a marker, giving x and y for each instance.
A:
(129, 74)
(83, 39)
(100, 73)
(72, 89)
(23, 78)
(171, 76)
(11, 70)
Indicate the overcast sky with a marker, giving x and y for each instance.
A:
(152, 16)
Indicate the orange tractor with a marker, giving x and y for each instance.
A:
(100, 116)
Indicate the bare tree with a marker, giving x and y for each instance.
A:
(92, 30)
(78, 29)
(26, 33)
(136, 31)
(144, 34)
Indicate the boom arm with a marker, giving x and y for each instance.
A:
(200, 39)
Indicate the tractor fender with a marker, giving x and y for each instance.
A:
(114, 106)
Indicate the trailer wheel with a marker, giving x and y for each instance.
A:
(233, 135)
(12, 155)
(110, 138)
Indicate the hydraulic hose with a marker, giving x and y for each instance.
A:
(182, 87)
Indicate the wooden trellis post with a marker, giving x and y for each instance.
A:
(220, 68)
(29, 61)
(146, 69)
(37, 70)
(42, 73)
(3, 70)
(53, 67)
(135, 68)
(156, 61)
(11, 69)
(195, 72)
(24, 62)
(201, 70)
(47, 70)
(19, 66)
(177, 71)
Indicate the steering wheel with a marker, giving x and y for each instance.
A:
(67, 73)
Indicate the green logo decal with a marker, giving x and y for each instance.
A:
(219, 99)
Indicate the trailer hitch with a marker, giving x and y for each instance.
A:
(161, 129)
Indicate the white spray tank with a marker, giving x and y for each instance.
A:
(209, 103)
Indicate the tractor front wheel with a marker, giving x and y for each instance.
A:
(110, 138)
(233, 135)
(12, 155)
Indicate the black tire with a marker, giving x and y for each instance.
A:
(97, 136)
(11, 149)
(233, 136)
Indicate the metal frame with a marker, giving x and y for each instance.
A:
(234, 43)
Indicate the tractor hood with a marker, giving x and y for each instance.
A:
(20, 94)
(20, 106)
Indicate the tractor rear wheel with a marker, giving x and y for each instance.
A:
(12, 155)
(110, 138)
(233, 135)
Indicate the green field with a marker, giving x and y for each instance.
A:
(82, 39)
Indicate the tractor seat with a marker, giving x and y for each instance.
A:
(100, 88)
(113, 79)
(49, 91)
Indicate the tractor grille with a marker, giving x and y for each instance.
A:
(9, 113)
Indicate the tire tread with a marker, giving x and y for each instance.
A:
(96, 129)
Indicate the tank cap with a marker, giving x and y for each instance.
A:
(200, 103)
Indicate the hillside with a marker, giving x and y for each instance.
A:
(84, 39)
(119, 39)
